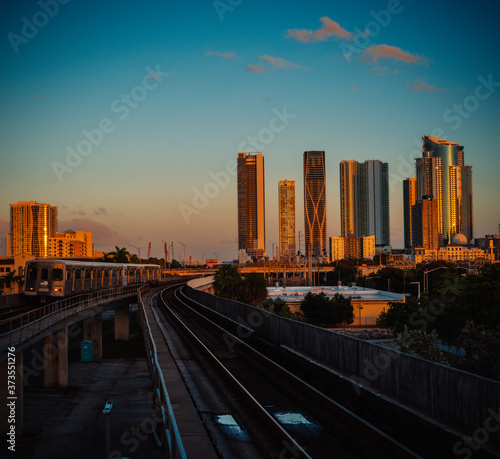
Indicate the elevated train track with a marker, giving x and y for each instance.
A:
(282, 414)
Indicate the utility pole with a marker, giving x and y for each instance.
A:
(165, 250)
(184, 260)
(309, 264)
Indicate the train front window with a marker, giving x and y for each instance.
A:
(44, 274)
(32, 272)
(57, 274)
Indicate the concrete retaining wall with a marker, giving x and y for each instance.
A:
(451, 396)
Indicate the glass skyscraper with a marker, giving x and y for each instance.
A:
(442, 174)
(315, 203)
(364, 200)
(251, 205)
(31, 226)
(409, 199)
(286, 193)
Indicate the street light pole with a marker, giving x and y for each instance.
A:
(426, 279)
(183, 261)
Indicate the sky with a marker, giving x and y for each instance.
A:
(129, 116)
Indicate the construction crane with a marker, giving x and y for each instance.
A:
(149, 251)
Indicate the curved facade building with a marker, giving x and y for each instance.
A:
(441, 173)
(315, 203)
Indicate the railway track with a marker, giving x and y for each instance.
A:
(282, 414)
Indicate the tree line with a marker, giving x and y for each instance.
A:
(252, 289)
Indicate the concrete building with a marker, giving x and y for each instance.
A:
(352, 247)
(364, 200)
(457, 251)
(425, 224)
(367, 303)
(251, 205)
(349, 171)
(286, 195)
(487, 242)
(315, 203)
(409, 199)
(31, 226)
(16, 265)
(69, 244)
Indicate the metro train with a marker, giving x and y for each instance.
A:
(62, 278)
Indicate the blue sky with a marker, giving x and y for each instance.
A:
(177, 88)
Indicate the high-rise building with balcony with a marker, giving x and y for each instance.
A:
(251, 205)
(286, 193)
(315, 203)
(31, 226)
(364, 200)
(409, 199)
(70, 244)
(424, 218)
(442, 174)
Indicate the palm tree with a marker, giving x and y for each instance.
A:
(253, 289)
(11, 277)
(227, 280)
(119, 255)
(106, 258)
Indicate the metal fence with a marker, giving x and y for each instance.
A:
(18, 329)
(450, 396)
(171, 438)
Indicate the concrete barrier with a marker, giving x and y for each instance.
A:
(452, 397)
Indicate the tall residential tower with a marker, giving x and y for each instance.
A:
(364, 200)
(442, 174)
(251, 205)
(409, 199)
(315, 203)
(31, 226)
(286, 193)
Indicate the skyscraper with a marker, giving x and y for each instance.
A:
(467, 207)
(430, 183)
(251, 205)
(31, 226)
(286, 193)
(364, 200)
(348, 175)
(377, 192)
(424, 217)
(442, 174)
(315, 203)
(409, 199)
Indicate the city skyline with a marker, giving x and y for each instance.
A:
(129, 119)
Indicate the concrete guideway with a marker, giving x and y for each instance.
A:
(195, 439)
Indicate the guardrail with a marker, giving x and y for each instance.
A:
(17, 330)
(171, 437)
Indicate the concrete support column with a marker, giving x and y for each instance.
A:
(55, 353)
(122, 324)
(11, 395)
(92, 331)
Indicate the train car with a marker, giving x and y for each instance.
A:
(62, 278)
